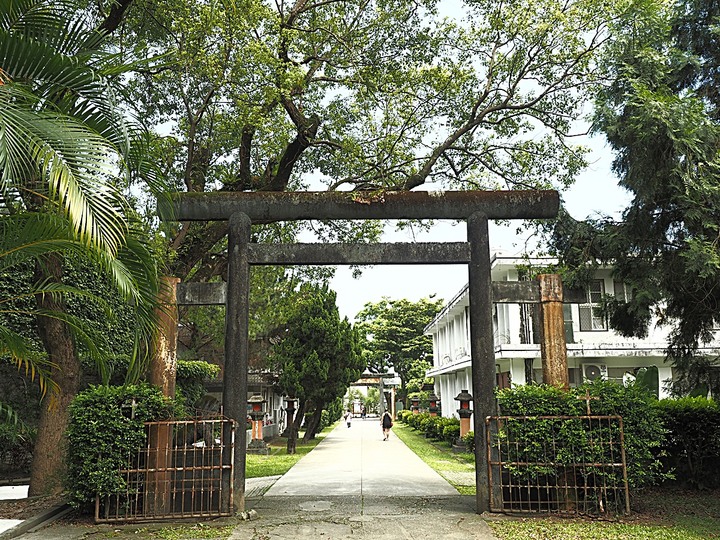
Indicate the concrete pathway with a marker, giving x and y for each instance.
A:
(356, 461)
(354, 485)
(7, 493)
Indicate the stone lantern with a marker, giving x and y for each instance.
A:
(289, 414)
(464, 411)
(290, 420)
(433, 408)
(415, 405)
(257, 444)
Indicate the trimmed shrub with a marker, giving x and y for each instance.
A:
(469, 440)
(106, 426)
(191, 377)
(434, 427)
(692, 446)
(643, 428)
(421, 421)
(404, 416)
(451, 431)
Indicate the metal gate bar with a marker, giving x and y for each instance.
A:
(557, 464)
(179, 473)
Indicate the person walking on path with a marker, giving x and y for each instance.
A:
(348, 418)
(386, 422)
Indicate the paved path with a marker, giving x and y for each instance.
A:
(356, 461)
(11, 492)
(354, 485)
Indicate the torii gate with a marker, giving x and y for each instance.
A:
(476, 207)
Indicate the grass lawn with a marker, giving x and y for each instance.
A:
(456, 468)
(658, 514)
(278, 461)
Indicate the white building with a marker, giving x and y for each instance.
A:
(593, 350)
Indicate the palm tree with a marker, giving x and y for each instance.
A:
(66, 152)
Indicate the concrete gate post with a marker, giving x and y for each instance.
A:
(481, 348)
(235, 378)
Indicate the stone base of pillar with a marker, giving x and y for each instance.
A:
(459, 447)
(258, 446)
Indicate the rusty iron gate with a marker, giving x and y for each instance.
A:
(183, 471)
(557, 464)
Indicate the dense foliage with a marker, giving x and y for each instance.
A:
(433, 427)
(370, 95)
(393, 337)
(643, 428)
(67, 152)
(660, 114)
(106, 426)
(191, 376)
(692, 446)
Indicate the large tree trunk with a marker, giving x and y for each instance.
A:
(311, 428)
(48, 466)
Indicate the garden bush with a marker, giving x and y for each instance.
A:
(469, 440)
(692, 446)
(106, 425)
(643, 427)
(404, 416)
(191, 377)
(424, 422)
(433, 427)
(451, 431)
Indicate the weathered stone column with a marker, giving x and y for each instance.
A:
(235, 374)
(481, 348)
(163, 368)
(552, 343)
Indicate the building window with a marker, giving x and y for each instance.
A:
(568, 323)
(621, 291)
(591, 318)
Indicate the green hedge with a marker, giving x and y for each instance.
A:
(190, 379)
(469, 440)
(106, 425)
(433, 427)
(692, 446)
(642, 421)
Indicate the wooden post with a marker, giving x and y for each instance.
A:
(552, 343)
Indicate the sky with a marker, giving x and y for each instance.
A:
(596, 191)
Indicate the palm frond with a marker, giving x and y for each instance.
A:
(35, 366)
(8, 415)
(35, 18)
(76, 163)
